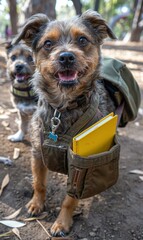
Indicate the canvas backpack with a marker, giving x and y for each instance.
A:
(122, 87)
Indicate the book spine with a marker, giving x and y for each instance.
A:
(74, 146)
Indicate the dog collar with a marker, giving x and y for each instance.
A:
(25, 93)
(80, 101)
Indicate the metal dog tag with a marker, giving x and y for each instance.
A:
(53, 136)
(55, 122)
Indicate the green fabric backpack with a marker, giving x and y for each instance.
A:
(122, 87)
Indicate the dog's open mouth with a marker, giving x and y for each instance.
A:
(68, 77)
(22, 77)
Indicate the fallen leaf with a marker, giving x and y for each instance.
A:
(5, 160)
(64, 238)
(16, 153)
(16, 232)
(136, 171)
(13, 215)
(12, 223)
(5, 124)
(6, 234)
(141, 178)
(12, 110)
(42, 216)
(141, 111)
(43, 228)
(7, 128)
(1, 110)
(4, 183)
(4, 116)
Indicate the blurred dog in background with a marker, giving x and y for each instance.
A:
(20, 68)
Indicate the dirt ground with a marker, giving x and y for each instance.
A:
(114, 214)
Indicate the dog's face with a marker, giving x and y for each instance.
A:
(67, 53)
(20, 65)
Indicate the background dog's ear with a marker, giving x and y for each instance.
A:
(31, 28)
(98, 24)
(8, 45)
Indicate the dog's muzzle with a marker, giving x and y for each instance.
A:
(21, 74)
(67, 75)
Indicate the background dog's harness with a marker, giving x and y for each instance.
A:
(91, 175)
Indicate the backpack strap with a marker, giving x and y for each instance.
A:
(119, 111)
(91, 115)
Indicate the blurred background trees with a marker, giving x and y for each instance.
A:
(124, 17)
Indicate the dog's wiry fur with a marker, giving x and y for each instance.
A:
(68, 58)
(20, 68)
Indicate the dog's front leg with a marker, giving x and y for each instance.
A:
(39, 171)
(23, 126)
(64, 221)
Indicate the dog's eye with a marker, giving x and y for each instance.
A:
(13, 57)
(83, 41)
(30, 58)
(47, 44)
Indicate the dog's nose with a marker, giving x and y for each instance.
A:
(19, 67)
(67, 58)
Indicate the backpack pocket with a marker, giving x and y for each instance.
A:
(55, 156)
(91, 175)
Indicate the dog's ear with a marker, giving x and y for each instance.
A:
(31, 28)
(8, 46)
(100, 27)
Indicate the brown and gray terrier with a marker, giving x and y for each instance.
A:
(68, 59)
(20, 68)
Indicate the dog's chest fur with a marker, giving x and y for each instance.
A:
(23, 105)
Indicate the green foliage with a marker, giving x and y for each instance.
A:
(87, 4)
(110, 8)
(107, 8)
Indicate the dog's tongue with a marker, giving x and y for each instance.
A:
(68, 75)
(21, 77)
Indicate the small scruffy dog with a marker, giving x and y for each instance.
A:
(68, 59)
(20, 68)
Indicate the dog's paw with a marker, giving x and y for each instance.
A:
(17, 137)
(35, 206)
(60, 229)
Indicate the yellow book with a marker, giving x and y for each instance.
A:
(97, 138)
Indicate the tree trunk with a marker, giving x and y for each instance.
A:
(136, 28)
(78, 6)
(96, 5)
(13, 15)
(41, 6)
